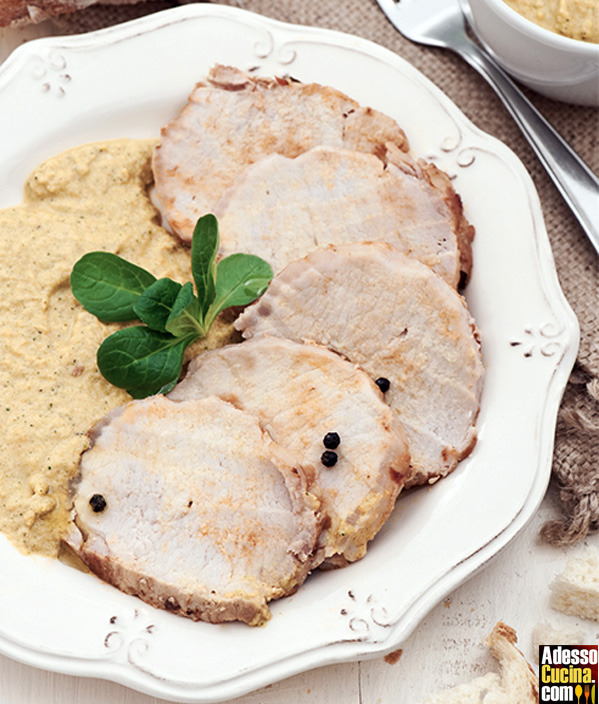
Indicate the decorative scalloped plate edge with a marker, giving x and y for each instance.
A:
(529, 333)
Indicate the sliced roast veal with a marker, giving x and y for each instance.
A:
(401, 323)
(282, 209)
(233, 120)
(200, 512)
(301, 394)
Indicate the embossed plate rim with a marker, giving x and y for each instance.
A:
(368, 608)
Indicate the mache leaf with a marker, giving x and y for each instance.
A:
(240, 279)
(141, 360)
(204, 248)
(184, 317)
(108, 286)
(155, 304)
(148, 360)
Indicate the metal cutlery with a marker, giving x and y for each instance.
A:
(441, 23)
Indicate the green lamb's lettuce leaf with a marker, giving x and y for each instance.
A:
(155, 304)
(240, 279)
(204, 248)
(108, 286)
(185, 315)
(147, 359)
(141, 360)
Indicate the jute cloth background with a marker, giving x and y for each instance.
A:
(576, 458)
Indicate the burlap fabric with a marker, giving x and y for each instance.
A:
(576, 460)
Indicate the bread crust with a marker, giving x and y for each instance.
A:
(517, 673)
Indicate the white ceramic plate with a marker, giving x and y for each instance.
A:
(129, 80)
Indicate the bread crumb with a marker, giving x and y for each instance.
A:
(575, 591)
(392, 658)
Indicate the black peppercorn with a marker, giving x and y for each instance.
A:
(331, 441)
(98, 503)
(383, 384)
(329, 458)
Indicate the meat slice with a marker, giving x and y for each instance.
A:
(300, 394)
(233, 120)
(204, 514)
(400, 322)
(281, 209)
(441, 183)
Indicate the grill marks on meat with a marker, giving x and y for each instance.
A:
(233, 120)
(205, 515)
(397, 320)
(281, 209)
(299, 393)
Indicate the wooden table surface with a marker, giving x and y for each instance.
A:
(445, 649)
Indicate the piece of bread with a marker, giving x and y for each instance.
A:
(576, 590)
(516, 684)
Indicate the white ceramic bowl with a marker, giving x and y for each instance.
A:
(558, 67)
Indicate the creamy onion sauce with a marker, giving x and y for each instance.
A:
(93, 197)
(577, 19)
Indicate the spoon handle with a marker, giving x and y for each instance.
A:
(576, 182)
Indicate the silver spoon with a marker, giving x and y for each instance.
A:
(440, 23)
